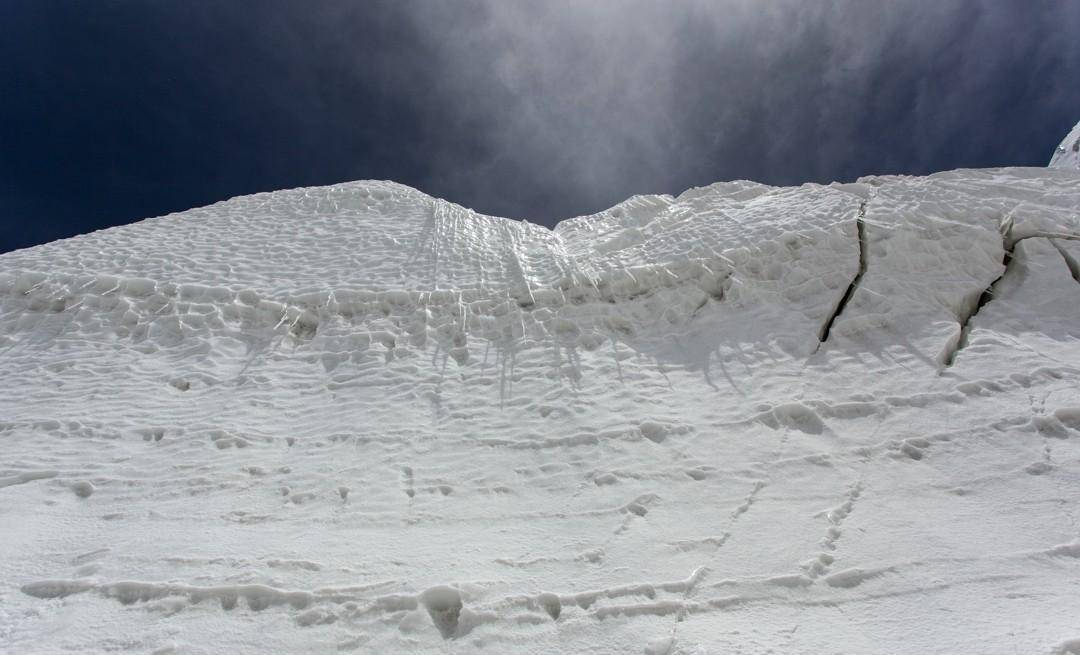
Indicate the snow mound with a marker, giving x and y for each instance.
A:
(1067, 155)
(360, 418)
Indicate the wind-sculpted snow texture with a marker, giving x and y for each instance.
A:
(824, 419)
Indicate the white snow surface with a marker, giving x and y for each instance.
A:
(823, 419)
(1067, 155)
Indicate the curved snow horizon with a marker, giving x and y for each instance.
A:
(1067, 155)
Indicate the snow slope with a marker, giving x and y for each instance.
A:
(823, 419)
(1067, 155)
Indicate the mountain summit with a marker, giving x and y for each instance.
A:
(1067, 155)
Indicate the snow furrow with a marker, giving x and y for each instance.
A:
(953, 349)
(860, 226)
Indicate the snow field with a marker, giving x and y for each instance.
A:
(834, 418)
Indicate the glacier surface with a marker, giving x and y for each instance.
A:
(747, 419)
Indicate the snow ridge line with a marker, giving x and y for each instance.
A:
(44, 293)
(860, 227)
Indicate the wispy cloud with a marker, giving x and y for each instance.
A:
(538, 109)
(578, 104)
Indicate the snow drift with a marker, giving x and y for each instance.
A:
(835, 418)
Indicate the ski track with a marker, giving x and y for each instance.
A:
(834, 418)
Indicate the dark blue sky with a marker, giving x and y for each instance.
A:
(112, 111)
